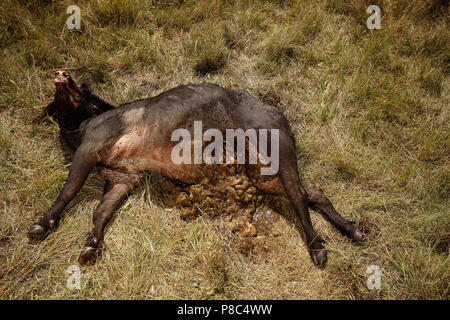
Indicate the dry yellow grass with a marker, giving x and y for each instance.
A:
(369, 110)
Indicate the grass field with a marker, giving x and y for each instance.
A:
(369, 109)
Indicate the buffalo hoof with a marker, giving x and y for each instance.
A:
(358, 236)
(37, 233)
(89, 255)
(318, 253)
(319, 257)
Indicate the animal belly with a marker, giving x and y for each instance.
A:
(135, 152)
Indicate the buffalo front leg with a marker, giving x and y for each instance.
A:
(83, 162)
(117, 188)
(318, 202)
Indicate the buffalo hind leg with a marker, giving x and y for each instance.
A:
(318, 202)
(83, 162)
(298, 197)
(117, 187)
